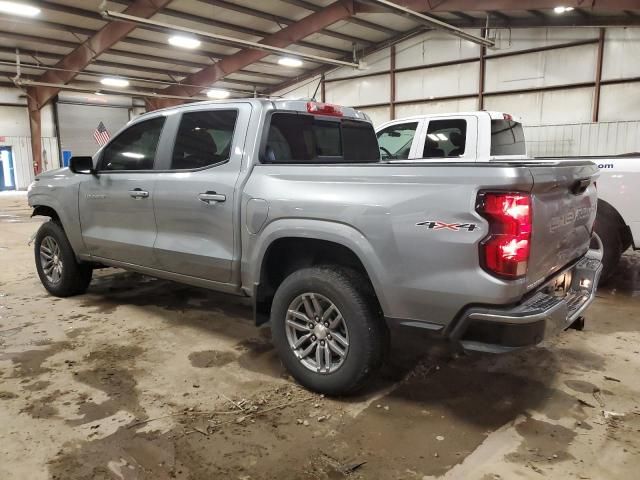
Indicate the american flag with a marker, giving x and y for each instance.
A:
(101, 134)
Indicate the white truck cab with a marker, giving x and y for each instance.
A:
(453, 137)
(484, 136)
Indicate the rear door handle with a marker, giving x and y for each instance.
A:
(138, 193)
(212, 197)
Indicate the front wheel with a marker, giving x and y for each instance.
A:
(59, 271)
(327, 329)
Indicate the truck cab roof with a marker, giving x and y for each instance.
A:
(282, 104)
(493, 115)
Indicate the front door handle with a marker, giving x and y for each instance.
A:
(138, 193)
(212, 197)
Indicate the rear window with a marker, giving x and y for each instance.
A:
(445, 138)
(507, 138)
(302, 138)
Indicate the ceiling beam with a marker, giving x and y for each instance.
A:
(168, 12)
(91, 48)
(97, 64)
(502, 5)
(430, 21)
(130, 40)
(132, 56)
(463, 16)
(356, 21)
(500, 15)
(335, 12)
(126, 53)
(555, 21)
(34, 69)
(232, 41)
(278, 19)
(537, 14)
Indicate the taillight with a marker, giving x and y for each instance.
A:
(318, 108)
(505, 251)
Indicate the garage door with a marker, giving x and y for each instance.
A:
(78, 123)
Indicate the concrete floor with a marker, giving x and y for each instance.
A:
(143, 378)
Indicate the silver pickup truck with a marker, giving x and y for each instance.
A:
(288, 202)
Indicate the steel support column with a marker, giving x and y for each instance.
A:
(597, 87)
(35, 126)
(392, 82)
(481, 74)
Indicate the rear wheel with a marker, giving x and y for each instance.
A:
(327, 329)
(60, 273)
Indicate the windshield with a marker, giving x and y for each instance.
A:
(507, 138)
(395, 141)
(302, 138)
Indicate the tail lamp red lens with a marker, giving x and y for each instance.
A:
(505, 251)
(328, 109)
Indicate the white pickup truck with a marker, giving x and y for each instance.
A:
(484, 136)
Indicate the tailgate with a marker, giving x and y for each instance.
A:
(564, 209)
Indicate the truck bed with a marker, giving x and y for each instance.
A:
(383, 209)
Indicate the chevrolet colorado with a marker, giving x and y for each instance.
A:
(289, 203)
(485, 136)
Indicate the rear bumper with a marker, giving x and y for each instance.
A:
(539, 317)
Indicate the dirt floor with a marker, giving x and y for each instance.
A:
(146, 379)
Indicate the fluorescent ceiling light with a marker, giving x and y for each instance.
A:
(114, 82)
(137, 156)
(184, 42)
(218, 93)
(442, 136)
(562, 9)
(433, 137)
(21, 9)
(290, 62)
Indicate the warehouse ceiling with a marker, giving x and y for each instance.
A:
(70, 42)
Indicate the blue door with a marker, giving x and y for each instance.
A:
(7, 178)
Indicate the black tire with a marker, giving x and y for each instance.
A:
(350, 292)
(75, 277)
(609, 232)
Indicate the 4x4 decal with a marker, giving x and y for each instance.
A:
(456, 227)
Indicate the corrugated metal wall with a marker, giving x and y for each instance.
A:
(606, 138)
(544, 76)
(15, 133)
(22, 158)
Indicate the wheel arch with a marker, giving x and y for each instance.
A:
(605, 209)
(64, 211)
(46, 211)
(284, 250)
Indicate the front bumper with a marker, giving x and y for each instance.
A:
(539, 317)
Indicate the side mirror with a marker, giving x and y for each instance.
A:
(83, 165)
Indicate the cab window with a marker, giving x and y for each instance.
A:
(445, 139)
(395, 140)
(204, 138)
(507, 138)
(135, 148)
(302, 138)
